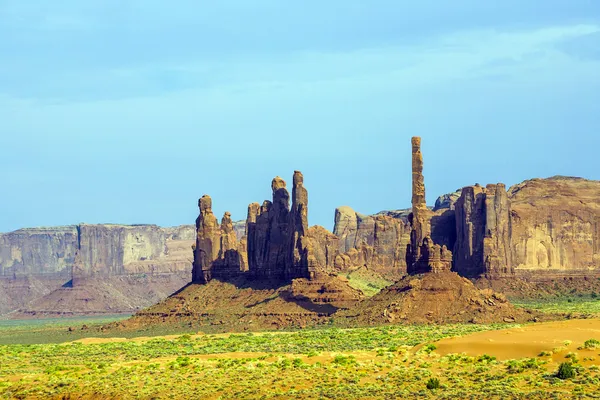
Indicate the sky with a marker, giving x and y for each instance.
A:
(117, 111)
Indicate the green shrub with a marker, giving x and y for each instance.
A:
(591, 344)
(344, 360)
(565, 371)
(429, 348)
(486, 358)
(433, 383)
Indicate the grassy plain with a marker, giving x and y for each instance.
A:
(581, 304)
(382, 362)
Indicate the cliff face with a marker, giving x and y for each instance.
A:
(88, 250)
(556, 225)
(34, 263)
(111, 249)
(484, 232)
(378, 242)
(541, 227)
(47, 251)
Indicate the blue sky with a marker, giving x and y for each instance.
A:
(128, 111)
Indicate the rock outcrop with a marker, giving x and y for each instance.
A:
(38, 251)
(377, 242)
(217, 252)
(555, 226)
(35, 262)
(276, 244)
(101, 250)
(540, 228)
(447, 201)
(423, 254)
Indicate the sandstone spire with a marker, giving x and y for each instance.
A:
(421, 215)
(297, 265)
(423, 255)
(207, 241)
(278, 246)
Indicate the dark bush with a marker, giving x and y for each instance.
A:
(565, 371)
(433, 383)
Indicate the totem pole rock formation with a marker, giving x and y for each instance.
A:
(422, 254)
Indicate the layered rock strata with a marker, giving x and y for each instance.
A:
(98, 250)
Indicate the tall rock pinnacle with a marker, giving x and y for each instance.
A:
(298, 264)
(207, 241)
(423, 255)
(421, 215)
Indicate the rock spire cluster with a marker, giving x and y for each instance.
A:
(275, 246)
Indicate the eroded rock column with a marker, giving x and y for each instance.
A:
(208, 236)
(423, 255)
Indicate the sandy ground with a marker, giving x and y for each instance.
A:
(560, 338)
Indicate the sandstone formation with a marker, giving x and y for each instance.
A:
(103, 250)
(483, 230)
(325, 246)
(540, 229)
(423, 254)
(38, 251)
(447, 201)
(217, 252)
(36, 262)
(276, 245)
(376, 242)
(555, 226)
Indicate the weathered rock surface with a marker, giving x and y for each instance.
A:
(556, 226)
(540, 228)
(447, 201)
(217, 252)
(36, 251)
(36, 262)
(102, 250)
(277, 236)
(182, 232)
(276, 244)
(423, 254)
(325, 248)
(378, 242)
